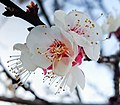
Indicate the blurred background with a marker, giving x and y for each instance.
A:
(102, 78)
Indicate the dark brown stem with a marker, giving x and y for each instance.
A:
(78, 94)
(116, 78)
(43, 11)
(21, 101)
(37, 102)
(18, 12)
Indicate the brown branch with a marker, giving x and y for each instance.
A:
(27, 102)
(37, 102)
(116, 78)
(115, 100)
(78, 94)
(18, 12)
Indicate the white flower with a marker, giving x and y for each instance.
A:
(111, 24)
(84, 31)
(22, 65)
(50, 46)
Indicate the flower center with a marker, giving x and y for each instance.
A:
(82, 30)
(55, 51)
(58, 50)
(77, 29)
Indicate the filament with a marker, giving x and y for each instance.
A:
(14, 56)
(99, 17)
(13, 60)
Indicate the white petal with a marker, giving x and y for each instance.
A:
(59, 18)
(95, 33)
(57, 33)
(41, 61)
(25, 57)
(79, 76)
(71, 83)
(62, 35)
(67, 39)
(70, 43)
(75, 50)
(41, 37)
(62, 67)
(80, 40)
(117, 23)
(93, 51)
(114, 25)
(105, 28)
(111, 24)
(27, 62)
(21, 47)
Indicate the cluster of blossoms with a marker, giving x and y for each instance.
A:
(59, 50)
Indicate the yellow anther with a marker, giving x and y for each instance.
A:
(89, 21)
(93, 25)
(87, 26)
